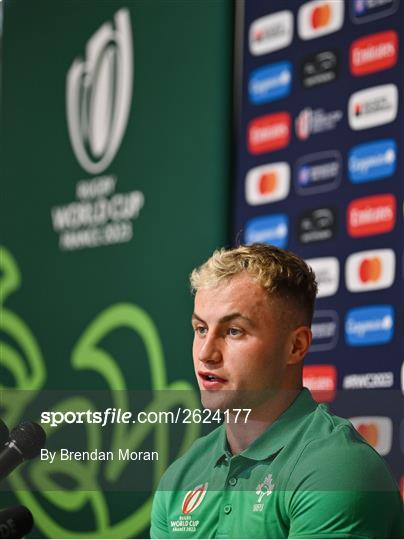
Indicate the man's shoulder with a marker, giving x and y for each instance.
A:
(201, 451)
(339, 457)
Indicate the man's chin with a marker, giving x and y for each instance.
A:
(236, 399)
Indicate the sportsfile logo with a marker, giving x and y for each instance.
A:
(373, 107)
(369, 325)
(314, 121)
(324, 328)
(321, 380)
(377, 430)
(363, 11)
(267, 183)
(317, 225)
(270, 83)
(373, 53)
(326, 270)
(368, 381)
(271, 33)
(370, 270)
(317, 173)
(319, 68)
(371, 215)
(99, 94)
(372, 161)
(319, 18)
(271, 229)
(269, 133)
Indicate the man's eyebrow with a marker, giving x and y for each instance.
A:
(227, 318)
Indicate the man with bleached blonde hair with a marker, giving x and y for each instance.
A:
(280, 465)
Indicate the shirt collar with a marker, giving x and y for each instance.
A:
(276, 436)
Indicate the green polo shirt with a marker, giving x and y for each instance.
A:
(310, 475)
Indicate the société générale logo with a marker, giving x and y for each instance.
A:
(99, 94)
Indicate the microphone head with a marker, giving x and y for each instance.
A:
(29, 438)
(15, 522)
(4, 434)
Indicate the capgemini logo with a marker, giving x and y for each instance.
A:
(99, 93)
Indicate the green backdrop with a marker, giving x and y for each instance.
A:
(110, 317)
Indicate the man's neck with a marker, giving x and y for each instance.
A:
(241, 434)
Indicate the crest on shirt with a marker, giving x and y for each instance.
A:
(264, 489)
(194, 498)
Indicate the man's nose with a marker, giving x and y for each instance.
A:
(210, 352)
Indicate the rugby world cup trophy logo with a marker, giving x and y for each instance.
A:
(99, 94)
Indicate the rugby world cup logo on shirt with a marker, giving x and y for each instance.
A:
(363, 11)
(370, 270)
(317, 173)
(369, 325)
(373, 107)
(372, 161)
(267, 183)
(270, 83)
(373, 53)
(320, 17)
(194, 498)
(99, 94)
(371, 215)
(271, 33)
(377, 430)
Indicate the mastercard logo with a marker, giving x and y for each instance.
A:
(369, 432)
(376, 430)
(194, 498)
(321, 16)
(370, 270)
(267, 183)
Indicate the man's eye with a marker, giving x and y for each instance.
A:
(201, 330)
(234, 332)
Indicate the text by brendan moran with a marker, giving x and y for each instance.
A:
(64, 454)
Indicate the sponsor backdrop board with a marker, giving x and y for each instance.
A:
(319, 125)
(115, 154)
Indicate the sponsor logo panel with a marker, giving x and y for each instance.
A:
(368, 381)
(363, 11)
(317, 225)
(272, 229)
(271, 33)
(268, 133)
(373, 53)
(320, 17)
(321, 380)
(325, 328)
(376, 430)
(402, 378)
(372, 161)
(269, 83)
(319, 68)
(402, 435)
(314, 121)
(317, 173)
(327, 275)
(373, 107)
(370, 270)
(369, 325)
(267, 183)
(371, 215)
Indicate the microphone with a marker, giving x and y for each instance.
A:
(15, 522)
(25, 442)
(4, 434)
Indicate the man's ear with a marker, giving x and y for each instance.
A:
(300, 341)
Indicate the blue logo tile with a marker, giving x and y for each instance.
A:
(370, 325)
(270, 83)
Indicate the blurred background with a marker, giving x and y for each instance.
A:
(138, 136)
